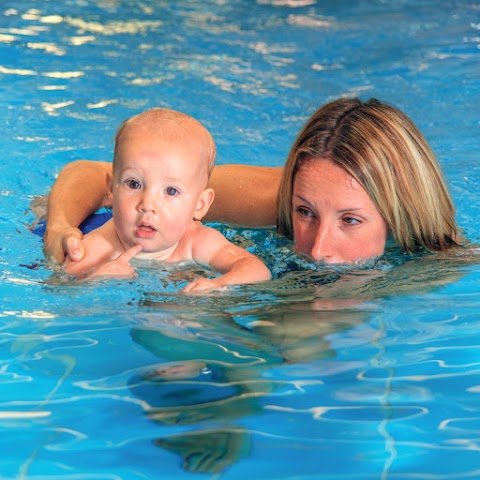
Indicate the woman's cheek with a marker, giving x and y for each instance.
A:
(301, 240)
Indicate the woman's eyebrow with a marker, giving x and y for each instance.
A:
(354, 209)
(342, 210)
(302, 198)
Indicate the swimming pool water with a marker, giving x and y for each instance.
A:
(320, 374)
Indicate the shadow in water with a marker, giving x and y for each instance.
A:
(213, 373)
(214, 362)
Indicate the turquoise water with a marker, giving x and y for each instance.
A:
(320, 374)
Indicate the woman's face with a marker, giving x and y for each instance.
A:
(334, 219)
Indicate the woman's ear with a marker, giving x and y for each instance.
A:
(203, 203)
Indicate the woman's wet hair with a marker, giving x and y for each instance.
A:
(385, 152)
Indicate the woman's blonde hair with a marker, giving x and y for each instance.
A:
(385, 152)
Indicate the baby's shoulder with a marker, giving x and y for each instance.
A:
(103, 241)
(201, 232)
(105, 232)
(201, 237)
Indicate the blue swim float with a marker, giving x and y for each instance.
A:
(91, 223)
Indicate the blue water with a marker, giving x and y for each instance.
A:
(368, 374)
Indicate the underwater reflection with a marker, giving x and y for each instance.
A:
(213, 372)
(208, 451)
(215, 355)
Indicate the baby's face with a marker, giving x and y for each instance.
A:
(157, 185)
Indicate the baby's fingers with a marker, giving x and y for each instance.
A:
(126, 256)
(201, 285)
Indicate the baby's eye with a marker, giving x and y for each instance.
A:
(172, 191)
(133, 184)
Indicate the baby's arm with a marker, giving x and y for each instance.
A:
(98, 249)
(119, 267)
(104, 256)
(211, 248)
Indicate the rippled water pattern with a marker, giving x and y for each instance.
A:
(320, 374)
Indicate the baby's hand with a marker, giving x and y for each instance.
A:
(203, 284)
(120, 267)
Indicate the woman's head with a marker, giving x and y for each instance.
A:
(378, 159)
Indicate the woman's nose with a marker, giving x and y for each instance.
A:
(323, 245)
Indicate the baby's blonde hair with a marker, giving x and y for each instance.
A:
(385, 152)
(172, 126)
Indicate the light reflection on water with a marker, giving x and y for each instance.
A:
(370, 372)
(238, 376)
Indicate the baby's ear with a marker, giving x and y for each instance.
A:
(108, 189)
(203, 203)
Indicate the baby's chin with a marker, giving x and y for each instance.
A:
(153, 255)
(150, 253)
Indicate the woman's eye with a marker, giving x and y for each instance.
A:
(133, 184)
(171, 191)
(351, 221)
(304, 212)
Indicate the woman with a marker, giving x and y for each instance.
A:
(357, 173)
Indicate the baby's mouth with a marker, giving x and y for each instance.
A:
(146, 228)
(145, 231)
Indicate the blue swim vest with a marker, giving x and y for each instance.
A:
(91, 223)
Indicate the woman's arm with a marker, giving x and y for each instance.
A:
(80, 189)
(244, 195)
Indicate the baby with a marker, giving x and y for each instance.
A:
(161, 166)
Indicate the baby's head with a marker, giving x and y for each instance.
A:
(161, 166)
(170, 127)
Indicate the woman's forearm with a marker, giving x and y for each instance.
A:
(244, 195)
(80, 189)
